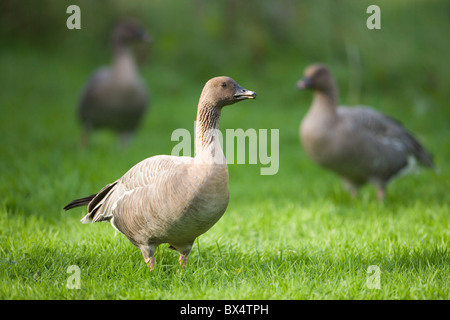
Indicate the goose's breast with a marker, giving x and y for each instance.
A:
(317, 136)
(199, 199)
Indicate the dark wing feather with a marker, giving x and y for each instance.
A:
(385, 126)
(79, 202)
(91, 201)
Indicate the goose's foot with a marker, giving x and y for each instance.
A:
(381, 194)
(150, 263)
(182, 260)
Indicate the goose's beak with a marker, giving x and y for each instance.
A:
(241, 94)
(304, 83)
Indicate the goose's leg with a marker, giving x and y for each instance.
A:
(150, 262)
(125, 139)
(351, 187)
(381, 189)
(182, 260)
(184, 253)
(85, 134)
(381, 193)
(148, 252)
(354, 193)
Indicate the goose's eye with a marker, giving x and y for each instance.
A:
(224, 84)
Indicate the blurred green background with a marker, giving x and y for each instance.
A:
(264, 40)
(402, 70)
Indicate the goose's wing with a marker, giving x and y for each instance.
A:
(142, 175)
(91, 89)
(387, 130)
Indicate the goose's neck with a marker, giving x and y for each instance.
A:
(207, 131)
(325, 101)
(123, 62)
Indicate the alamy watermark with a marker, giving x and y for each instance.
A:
(374, 281)
(74, 20)
(74, 280)
(374, 21)
(241, 147)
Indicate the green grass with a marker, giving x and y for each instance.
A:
(294, 235)
(268, 250)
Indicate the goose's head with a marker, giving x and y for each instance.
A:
(317, 77)
(130, 31)
(223, 91)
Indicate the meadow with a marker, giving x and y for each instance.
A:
(293, 235)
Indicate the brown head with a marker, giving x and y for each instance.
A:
(317, 77)
(129, 31)
(223, 91)
(217, 93)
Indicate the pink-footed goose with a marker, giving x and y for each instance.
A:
(116, 97)
(168, 199)
(358, 143)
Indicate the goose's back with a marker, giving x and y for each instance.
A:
(108, 101)
(362, 144)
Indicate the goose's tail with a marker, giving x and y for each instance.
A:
(94, 202)
(79, 202)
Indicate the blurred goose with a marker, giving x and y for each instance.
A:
(168, 199)
(358, 143)
(116, 97)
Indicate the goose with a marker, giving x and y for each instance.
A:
(358, 143)
(170, 199)
(115, 97)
